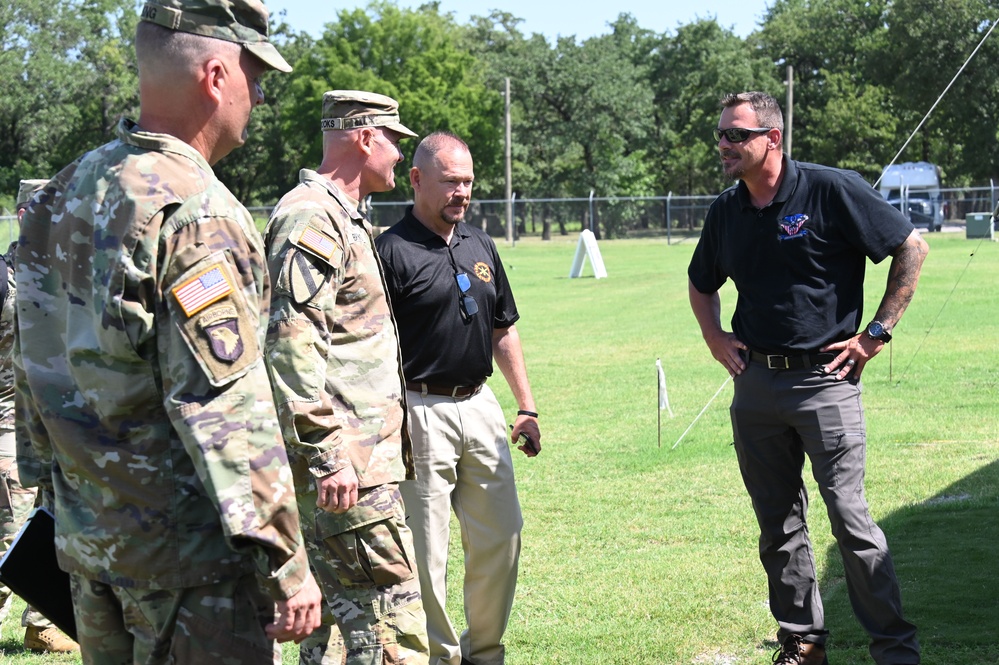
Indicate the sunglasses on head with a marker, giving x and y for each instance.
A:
(469, 307)
(739, 134)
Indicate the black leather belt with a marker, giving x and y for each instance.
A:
(801, 361)
(447, 391)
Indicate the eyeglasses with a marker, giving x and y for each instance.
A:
(469, 307)
(739, 134)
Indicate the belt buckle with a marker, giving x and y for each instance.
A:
(777, 362)
(456, 391)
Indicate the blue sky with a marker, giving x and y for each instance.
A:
(587, 18)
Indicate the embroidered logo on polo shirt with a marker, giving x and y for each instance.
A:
(791, 226)
(482, 271)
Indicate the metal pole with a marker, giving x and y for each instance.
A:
(509, 176)
(789, 125)
(591, 211)
(669, 219)
(512, 203)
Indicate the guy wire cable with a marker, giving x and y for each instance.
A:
(992, 221)
(915, 354)
(942, 94)
(691, 425)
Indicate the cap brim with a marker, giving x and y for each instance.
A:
(269, 55)
(402, 129)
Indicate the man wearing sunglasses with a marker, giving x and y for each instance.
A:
(333, 355)
(456, 313)
(795, 239)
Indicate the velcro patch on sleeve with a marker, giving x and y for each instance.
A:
(216, 321)
(205, 288)
(319, 242)
(316, 239)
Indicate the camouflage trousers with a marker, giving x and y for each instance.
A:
(215, 624)
(365, 564)
(16, 503)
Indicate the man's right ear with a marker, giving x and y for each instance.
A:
(414, 178)
(214, 77)
(366, 140)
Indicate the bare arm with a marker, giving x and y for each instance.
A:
(510, 358)
(724, 346)
(903, 274)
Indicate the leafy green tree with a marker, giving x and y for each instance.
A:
(843, 114)
(689, 73)
(65, 67)
(583, 111)
(926, 44)
(261, 171)
(412, 55)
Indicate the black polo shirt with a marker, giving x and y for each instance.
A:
(438, 346)
(798, 264)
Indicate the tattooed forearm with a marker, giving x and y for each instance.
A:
(903, 275)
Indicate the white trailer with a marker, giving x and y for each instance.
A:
(914, 188)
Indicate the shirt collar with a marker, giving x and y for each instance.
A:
(787, 185)
(421, 233)
(308, 176)
(131, 133)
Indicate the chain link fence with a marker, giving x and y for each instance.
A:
(624, 217)
(669, 216)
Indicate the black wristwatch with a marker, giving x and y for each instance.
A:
(877, 330)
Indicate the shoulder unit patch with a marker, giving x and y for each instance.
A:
(202, 290)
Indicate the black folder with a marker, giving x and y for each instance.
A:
(31, 571)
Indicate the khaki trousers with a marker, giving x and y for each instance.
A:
(463, 463)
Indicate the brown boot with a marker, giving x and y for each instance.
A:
(796, 651)
(49, 639)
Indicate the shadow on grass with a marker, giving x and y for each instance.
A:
(944, 551)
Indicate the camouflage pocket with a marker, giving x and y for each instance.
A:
(197, 640)
(16, 501)
(375, 553)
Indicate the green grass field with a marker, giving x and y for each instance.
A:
(646, 555)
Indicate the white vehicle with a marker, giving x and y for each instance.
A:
(914, 188)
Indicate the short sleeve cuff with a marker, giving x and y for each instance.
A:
(289, 579)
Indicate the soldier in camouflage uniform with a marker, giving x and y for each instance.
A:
(333, 355)
(17, 501)
(143, 402)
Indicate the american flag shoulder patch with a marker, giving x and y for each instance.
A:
(202, 290)
(318, 242)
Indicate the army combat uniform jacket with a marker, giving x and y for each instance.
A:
(142, 398)
(7, 448)
(332, 347)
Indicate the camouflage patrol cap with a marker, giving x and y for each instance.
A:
(27, 190)
(349, 109)
(240, 21)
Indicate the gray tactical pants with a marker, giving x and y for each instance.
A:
(778, 417)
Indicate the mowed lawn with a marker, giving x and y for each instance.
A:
(640, 553)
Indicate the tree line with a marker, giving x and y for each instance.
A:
(625, 113)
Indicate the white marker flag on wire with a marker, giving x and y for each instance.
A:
(663, 395)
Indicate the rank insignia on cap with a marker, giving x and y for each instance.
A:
(318, 242)
(201, 291)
